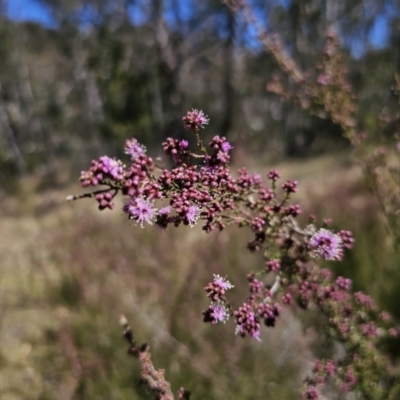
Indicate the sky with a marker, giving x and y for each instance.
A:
(28, 10)
(31, 10)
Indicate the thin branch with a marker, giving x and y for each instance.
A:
(72, 197)
(150, 377)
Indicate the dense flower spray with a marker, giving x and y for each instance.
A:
(200, 189)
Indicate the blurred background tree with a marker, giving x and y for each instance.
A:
(95, 72)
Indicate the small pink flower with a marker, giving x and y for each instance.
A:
(195, 119)
(140, 210)
(164, 210)
(273, 175)
(326, 245)
(222, 282)
(323, 79)
(393, 332)
(112, 167)
(273, 265)
(216, 312)
(134, 148)
(192, 215)
(311, 394)
(226, 146)
(247, 323)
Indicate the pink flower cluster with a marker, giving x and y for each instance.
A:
(200, 188)
(195, 119)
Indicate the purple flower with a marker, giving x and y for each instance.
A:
(330, 368)
(294, 210)
(343, 283)
(140, 210)
(134, 149)
(226, 146)
(223, 157)
(112, 167)
(192, 215)
(220, 312)
(216, 289)
(323, 79)
(251, 327)
(222, 282)
(164, 210)
(269, 313)
(347, 239)
(273, 265)
(247, 323)
(216, 312)
(195, 119)
(326, 245)
(393, 332)
(365, 300)
(311, 393)
(386, 317)
(273, 175)
(290, 186)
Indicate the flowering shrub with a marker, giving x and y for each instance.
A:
(199, 188)
(326, 93)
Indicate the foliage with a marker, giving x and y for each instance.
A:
(98, 74)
